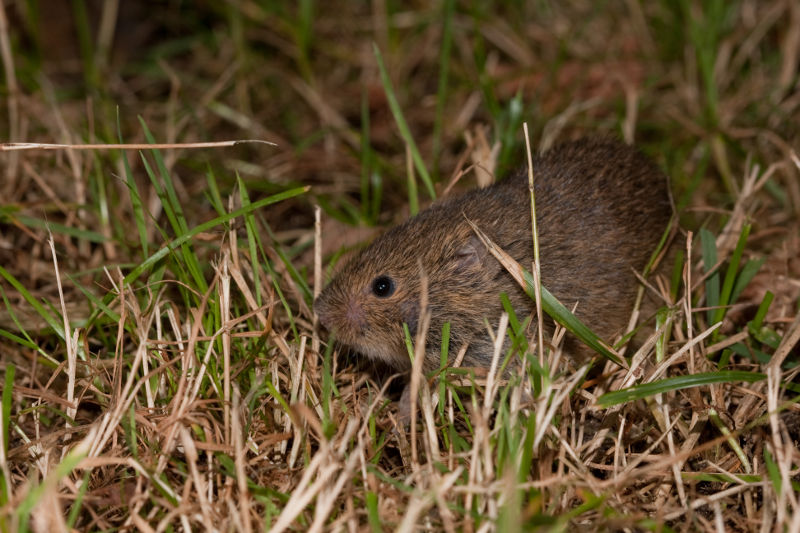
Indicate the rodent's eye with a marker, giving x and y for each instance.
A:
(383, 286)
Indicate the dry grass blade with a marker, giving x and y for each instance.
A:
(660, 370)
(225, 311)
(551, 305)
(240, 459)
(536, 268)
(12, 88)
(790, 339)
(422, 502)
(417, 379)
(70, 338)
(18, 146)
(546, 410)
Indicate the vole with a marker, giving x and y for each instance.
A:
(601, 208)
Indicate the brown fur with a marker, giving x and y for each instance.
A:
(601, 207)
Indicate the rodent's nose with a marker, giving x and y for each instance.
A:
(348, 316)
(354, 315)
(322, 309)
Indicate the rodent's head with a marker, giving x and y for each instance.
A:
(369, 299)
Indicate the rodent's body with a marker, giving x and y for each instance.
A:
(601, 208)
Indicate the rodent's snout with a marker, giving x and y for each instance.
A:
(322, 309)
(348, 316)
(354, 315)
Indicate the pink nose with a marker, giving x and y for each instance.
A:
(349, 317)
(354, 315)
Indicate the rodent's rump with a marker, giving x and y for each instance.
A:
(601, 207)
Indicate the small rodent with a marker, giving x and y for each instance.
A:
(601, 208)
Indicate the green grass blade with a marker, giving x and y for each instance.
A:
(730, 275)
(402, 125)
(34, 496)
(526, 460)
(556, 310)
(733, 443)
(302, 29)
(275, 277)
(215, 198)
(5, 425)
(677, 275)
(773, 471)
(694, 181)
(366, 158)
(52, 321)
(662, 315)
(28, 342)
(517, 328)
(83, 30)
(96, 302)
(508, 123)
(376, 180)
(763, 307)
(413, 193)
(638, 392)
(722, 478)
(409, 342)
(749, 270)
(252, 237)
(481, 53)
(328, 392)
(17, 339)
(98, 185)
(78, 502)
(373, 515)
(443, 363)
(284, 302)
(448, 9)
(174, 210)
(151, 261)
(170, 200)
(206, 226)
(136, 199)
(712, 283)
(179, 226)
(55, 227)
(299, 279)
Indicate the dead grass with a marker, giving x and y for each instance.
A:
(162, 369)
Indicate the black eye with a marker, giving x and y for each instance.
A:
(383, 286)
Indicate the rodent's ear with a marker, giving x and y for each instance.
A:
(471, 254)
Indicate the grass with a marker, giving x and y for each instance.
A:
(161, 365)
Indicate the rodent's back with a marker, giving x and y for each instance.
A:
(601, 208)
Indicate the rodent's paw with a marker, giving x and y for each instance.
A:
(404, 415)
